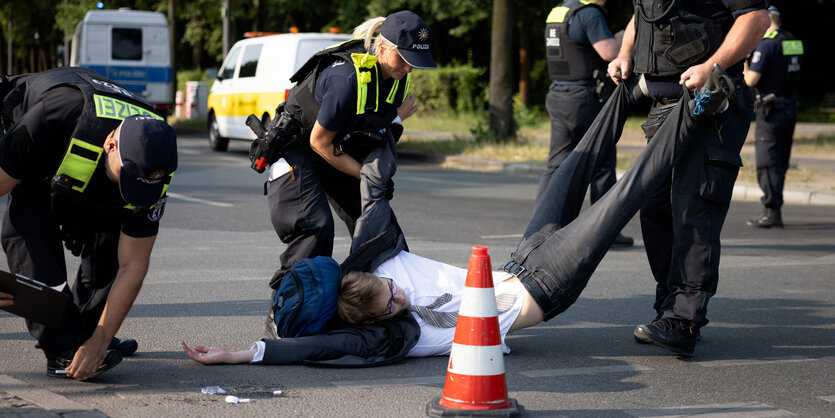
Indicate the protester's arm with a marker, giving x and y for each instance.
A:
(358, 340)
(745, 34)
(321, 140)
(218, 355)
(621, 66)
(134, 256)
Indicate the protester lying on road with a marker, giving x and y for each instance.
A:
(548, 271)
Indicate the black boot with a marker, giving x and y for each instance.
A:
(623, 241)
(56, 366)
(768, 219)
(124, 346)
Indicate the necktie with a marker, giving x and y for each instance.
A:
(448, 319)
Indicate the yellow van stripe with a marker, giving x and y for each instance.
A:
(248, 103)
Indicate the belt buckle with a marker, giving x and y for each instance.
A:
(513, 268)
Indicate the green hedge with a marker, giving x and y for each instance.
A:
(457, 88)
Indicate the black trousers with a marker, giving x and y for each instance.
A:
(774, 134)
(572, 108)
(300, 205)
(681, 223)
(33, 246)
(560, 250)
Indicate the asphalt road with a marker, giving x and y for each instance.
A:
(768, 351)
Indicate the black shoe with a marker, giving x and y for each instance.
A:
(124, 346)
(623, 241)
(56, 366)
(668, 333)
(768, 219)
(642, 338)
(712, 98)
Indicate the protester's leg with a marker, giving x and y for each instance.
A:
(34, 249)
(572, 110)
(563, 264)
(564, 195)
(343, 193)
(299, 209)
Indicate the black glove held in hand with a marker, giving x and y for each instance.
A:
(389, 189)
(78, 241)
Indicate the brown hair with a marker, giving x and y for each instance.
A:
(356, 292)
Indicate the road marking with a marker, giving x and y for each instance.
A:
(501, 236)
(198, 200)
(754, 362)
(830, 398)
(575, 371)
(409, 381)
(733, 410)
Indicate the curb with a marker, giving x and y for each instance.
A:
(742, 191)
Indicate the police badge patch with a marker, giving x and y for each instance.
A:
(756, 57)
(159, 208)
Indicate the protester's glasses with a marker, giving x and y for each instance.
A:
(393, 290)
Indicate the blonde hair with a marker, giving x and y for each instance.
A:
(366, 31)
(357, 291)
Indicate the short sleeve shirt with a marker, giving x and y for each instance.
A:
(767, 59)
(336, 92)
(588, 26)
(34, 147)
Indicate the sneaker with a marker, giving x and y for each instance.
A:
(713, 97)
(124, 346)
(56, 366)
(672, 334)
(623, 241)
(641, 336)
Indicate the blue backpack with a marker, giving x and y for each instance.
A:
(305, 298)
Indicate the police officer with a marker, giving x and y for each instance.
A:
(674, 43)
(342, 92)
(578, 44)
(774, 74)
(86, 162)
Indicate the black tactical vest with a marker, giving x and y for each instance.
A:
(670, 39)
(568, 59)
(106, 104)
(372, 104)
(786, 80)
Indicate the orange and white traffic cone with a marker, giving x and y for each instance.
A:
(475, 381)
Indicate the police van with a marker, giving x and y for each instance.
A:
(130, 47)
(255, 78)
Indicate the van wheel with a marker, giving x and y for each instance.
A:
(216, 142)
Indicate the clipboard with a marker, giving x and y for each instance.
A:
(33, 300)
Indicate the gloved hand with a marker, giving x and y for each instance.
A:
(390, 189)
(78, 240)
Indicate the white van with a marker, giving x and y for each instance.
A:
(130, 47)
(255, 78)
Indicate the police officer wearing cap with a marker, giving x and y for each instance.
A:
(774, 74)
(578, 44)
(86, 163)
(356, 90)
(674, 44)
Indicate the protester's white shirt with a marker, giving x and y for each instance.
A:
(424, 280)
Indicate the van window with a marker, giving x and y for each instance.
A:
(231, 60)
(127, 44)
(249, 63)
(308, 47)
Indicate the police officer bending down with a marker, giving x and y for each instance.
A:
(674, 43)
(774, 74)
(85, 162)
(342, 92)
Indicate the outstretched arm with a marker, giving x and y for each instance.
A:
(218, 355)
